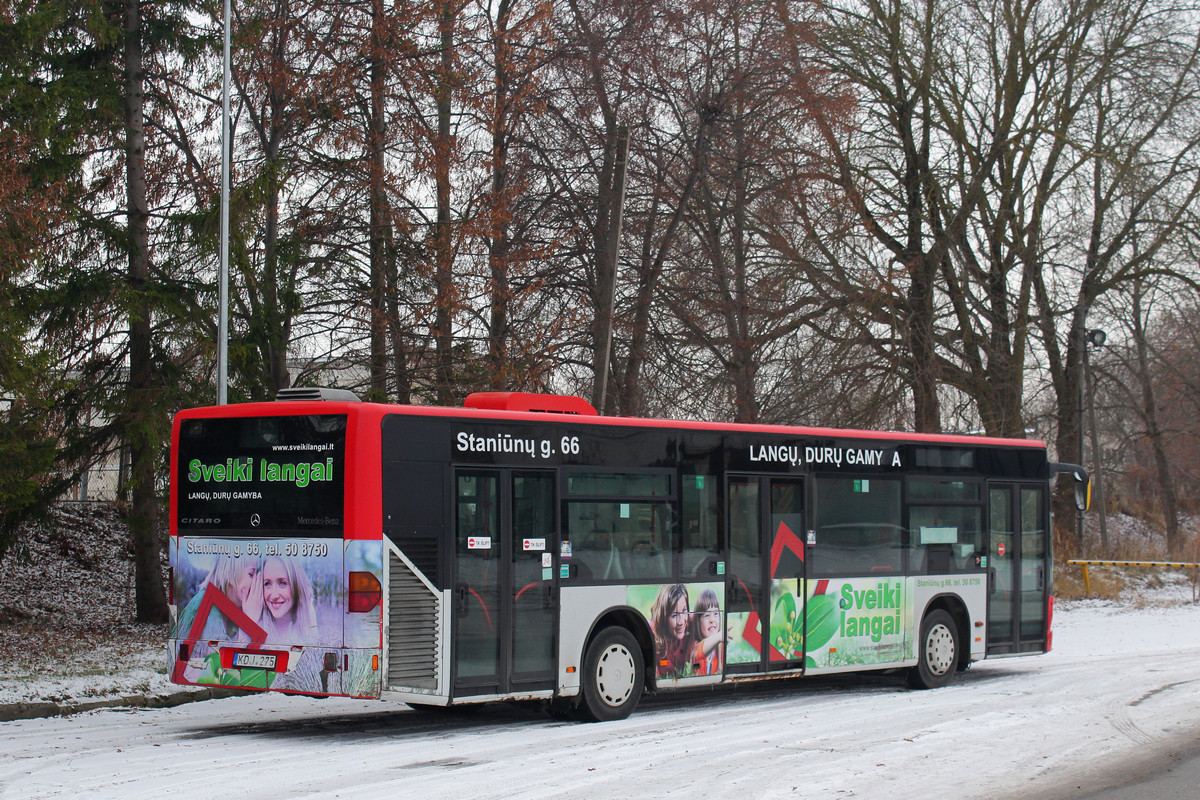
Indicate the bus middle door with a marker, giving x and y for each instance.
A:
(785, 573)
(766, 591)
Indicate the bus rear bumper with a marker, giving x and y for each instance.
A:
(314, 670)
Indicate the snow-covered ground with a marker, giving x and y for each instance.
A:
(1122, 686)
(1121, 690)
(66, 611)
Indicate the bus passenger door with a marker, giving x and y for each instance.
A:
(533, 587)
(743, 593)
(477, 582)
(765, 590)
(505, 590)
(1017, 568)
(785, 570)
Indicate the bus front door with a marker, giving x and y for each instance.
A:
(505, 589)
(1017, 568)
(765, 586)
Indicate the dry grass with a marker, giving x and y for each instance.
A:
(1106, 583)
(31, 650)
(1129, 539)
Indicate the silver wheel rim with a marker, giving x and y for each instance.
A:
(615, 673)
(939, 649)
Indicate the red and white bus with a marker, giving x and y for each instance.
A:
(524, 547)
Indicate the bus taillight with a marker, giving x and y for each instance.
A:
(365, 592)
(1049, 622)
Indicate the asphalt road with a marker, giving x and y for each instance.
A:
(1171, 771)
(1176, 779)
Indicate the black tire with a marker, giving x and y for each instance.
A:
(937, 652)
(614, 675)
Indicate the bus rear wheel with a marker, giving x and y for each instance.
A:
(613, 676)
(937, 652)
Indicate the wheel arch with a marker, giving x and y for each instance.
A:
(633, 621)
(953, 605)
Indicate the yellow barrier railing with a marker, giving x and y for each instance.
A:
(1085, 563)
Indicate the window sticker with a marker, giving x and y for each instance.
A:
(941, 534)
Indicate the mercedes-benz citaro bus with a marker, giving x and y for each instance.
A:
(525, 548)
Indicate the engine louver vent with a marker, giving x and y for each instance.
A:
(414, 647)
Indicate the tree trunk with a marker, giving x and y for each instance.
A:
(150, 596)
(498, 234)
(922, 352)
(652, 269)
(442, 242)
(1070, 413)
(743, 367)
(376, 143)
(401, 370)
(607, 252)
(1164, 479)
(927, 416)
(278, 317)
(276, 334)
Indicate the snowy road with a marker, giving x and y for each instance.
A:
(1121, 689)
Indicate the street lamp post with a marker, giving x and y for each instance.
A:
(223, 277)
(1080, 406)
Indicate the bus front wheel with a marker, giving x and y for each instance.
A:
(937, 652)
(613, 676)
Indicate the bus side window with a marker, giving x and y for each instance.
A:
(699, 531)
(605, 557)
(615, 541)
(645, 543)
(857, 526)
(594, 551)
(945, 539)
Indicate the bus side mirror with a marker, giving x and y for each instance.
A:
(1083, 494)
(1083, 483)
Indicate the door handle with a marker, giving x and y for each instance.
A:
(548, 594)
(460, 601)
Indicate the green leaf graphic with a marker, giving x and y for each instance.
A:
(822, 616)
(787, 629)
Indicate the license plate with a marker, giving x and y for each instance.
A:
(255, 660)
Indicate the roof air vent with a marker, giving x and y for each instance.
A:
(317, 393)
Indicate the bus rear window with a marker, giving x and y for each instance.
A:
(282, 476)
